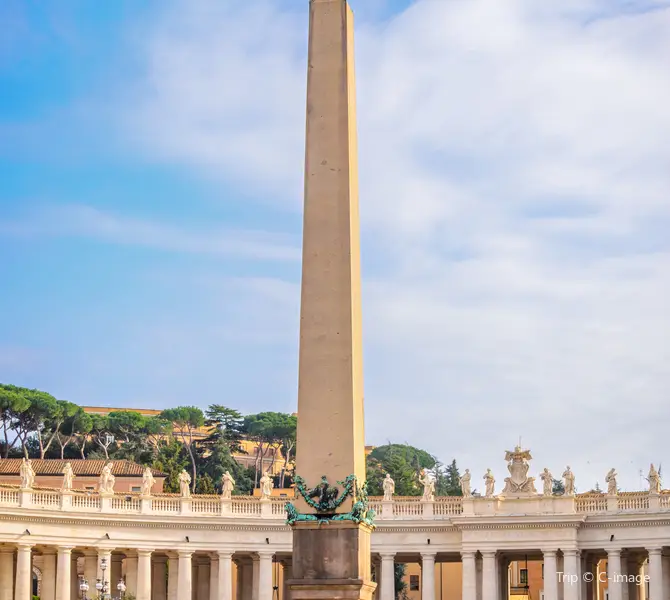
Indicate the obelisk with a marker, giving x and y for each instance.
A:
(332, 559)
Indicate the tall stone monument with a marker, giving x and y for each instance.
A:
(331, 523)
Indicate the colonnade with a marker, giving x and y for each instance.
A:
(147, 574)
(568, 574)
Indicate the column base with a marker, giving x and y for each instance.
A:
(331, 561)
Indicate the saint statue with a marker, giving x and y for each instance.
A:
(518, 483)
(107, 480)
(569, 481)
(654, 480)
(267, 485)
(27, 474)
(464, 482)
(389, 488)
(227, 486)
(490, 483)
(148, 482)
(547, 482)
(610, 479)
(185, 484)
(68, 476)
(428, 487)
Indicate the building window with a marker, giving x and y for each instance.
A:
(413, 583)
(136, 489)
(523, 576)
(90, 488)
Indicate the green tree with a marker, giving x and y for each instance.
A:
(172, 459)
(32, 421)
(267, 429)
(451, 481)
(402, 463)
(400, 586)
(558, 488)
(227, 426)
(419, 459)
(186, 420)
(76, 425)
(12, 402)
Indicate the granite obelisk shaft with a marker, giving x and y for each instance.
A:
(330, 561)
(330, 396)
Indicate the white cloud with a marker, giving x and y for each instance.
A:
(95, 224)
(514, 185)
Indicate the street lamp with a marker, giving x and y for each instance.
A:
(121, 586)
(102, 585)
(83, 588)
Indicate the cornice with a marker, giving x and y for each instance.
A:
(627, 523)
(245, 526)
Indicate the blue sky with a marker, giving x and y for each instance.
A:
(514, 204)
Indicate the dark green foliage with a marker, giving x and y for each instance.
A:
(558, 488)
(399, 579)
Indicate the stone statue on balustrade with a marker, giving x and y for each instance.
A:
(267, 485)
(227, 486)
(107, 480)
(654, 479)
(569, 481)
(148, 482)
(518, 483)
(68, 477)
(547, 482)
(610, 480)
(27, 474)
(465, 483)
(389, 488)
(490, 483)
(185, 484)
(428, 484)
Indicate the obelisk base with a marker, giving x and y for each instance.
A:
(331, 561)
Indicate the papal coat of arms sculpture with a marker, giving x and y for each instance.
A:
(518, 483)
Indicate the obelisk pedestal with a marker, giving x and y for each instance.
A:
(332, 559)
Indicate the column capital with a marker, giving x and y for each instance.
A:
(225, 554)
(65, 549)
(656, 550)
(550, 552)
(24, 546)
(614, 552)
(265, 554)
(469, 554)
(6, 550)
(488, 553)
(144, 551)
(570, 552)
(388, 555)
(185, 553)
(428, 555)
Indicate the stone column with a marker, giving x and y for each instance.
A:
(204, 574)
(131, 575)
(571, 579)
(387, 578)
(642, 588)
(74, 578)
(265, 575)
(550, 575)
(159, 578)
(666, 577)
(48, 590)
(64, 573)
(655, 574)
(6, 573)
(614, 584)
(469, 576)
(213, 577)
(144, 574)
(630, 591)
(115, 572)
(173, 577)
(489, 583)
(256, 564)
(427, 576)
(91, 568)
(184, 580)
(288, 568)
(23, 589)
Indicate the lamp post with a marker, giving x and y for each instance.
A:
(102, 585)
(121, 587)
(83, 588)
